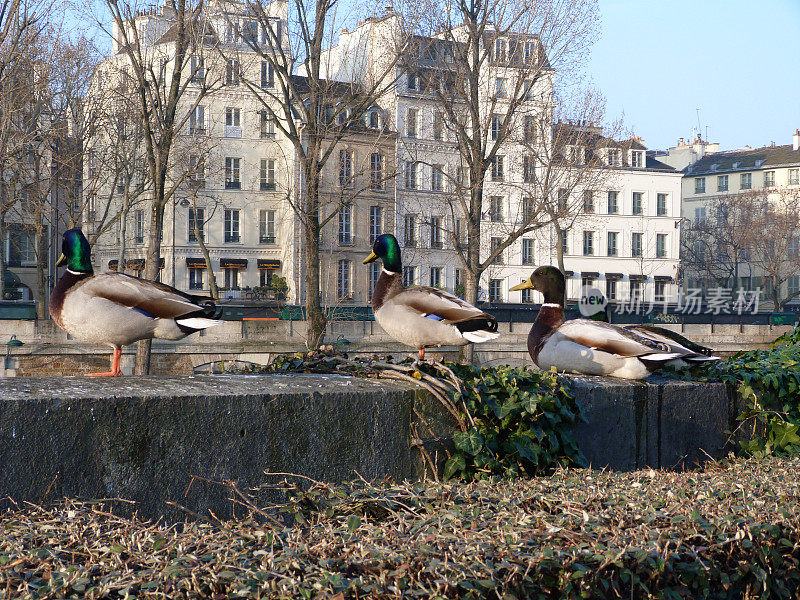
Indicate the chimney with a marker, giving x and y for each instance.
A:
(796, 140)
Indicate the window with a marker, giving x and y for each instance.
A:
(637, 289)
(346, 225)
(530, 51)
(197, 120)
(794, 176)
(495, 244)
(612, 250)
(500, 87)
(411, 175)
(528, 209)
(611, 289)
(613, 157)
(588, 201)
(436, 277)
(496, 209)
(266, 226)
(267, 75)
(699, 249)
(613, 206)
(636, 158)
(372, 278)
(460, 233)
(138, 226)
(658, 293)
(722, 183)
(410, 230)
(700, 185)
(436, 232)
(528, 169)
(700, 215)
(563, 198)
(527, 90)
(374, 120)
(375, 222)
(345, 168)
(528, 251)
(746, 181)
(413, 81)
(496, 127)
(529, 129)
(411, 122)
(233, 123)
(409, 276)
(21, 246)
(793, 248)
(267, 125)
(527, 296)
(233, 173)
(588, 243)
(661, 245)
(232, 72)
(196, 222)
(438, 125)
(793, 285)
(196, 278)
(637, 203)
(495, 290)
(500, 50)
(587, 281)
(376, 171)
(197, 169)
(661, 204)
(437, 176)
(232, 226)
(497, 168)
(565, 242)
(198, 70)
(636, 244)
(769, 178)
(343, 289)
(267, 174)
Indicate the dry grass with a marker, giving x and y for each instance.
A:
(731, 530)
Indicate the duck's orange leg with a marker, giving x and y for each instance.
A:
(114, 366)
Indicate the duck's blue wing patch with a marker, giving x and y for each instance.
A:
(434, 317)
(144, 312)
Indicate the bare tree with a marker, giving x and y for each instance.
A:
(312, 111)
(495, 66)
(160, 74)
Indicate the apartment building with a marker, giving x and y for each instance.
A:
(713, 180)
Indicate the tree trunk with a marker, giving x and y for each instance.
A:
(143, 347)
(42, 255)
(316, 322)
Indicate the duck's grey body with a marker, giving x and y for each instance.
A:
(114, 309)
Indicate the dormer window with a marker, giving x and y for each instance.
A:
(500, 50)
(530, 51)
(613, 157)
(374, 120)
(342, 118)
(576, 155)
(636, 158)
(413, 81)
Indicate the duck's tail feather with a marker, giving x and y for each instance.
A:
(207, 316)
(479, 329)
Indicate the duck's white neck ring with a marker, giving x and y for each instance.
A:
(71, 272)
(551, 305)
(388, 272)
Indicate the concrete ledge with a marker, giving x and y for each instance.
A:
(657, 423)
(144, 438)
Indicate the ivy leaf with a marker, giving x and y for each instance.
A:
(468, 441)
(455, 464)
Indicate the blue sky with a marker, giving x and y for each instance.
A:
(738, 61)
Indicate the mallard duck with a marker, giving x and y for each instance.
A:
(658, 334)
(115, 309)
(588, 346)
(420, 316)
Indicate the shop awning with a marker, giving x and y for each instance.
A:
(614, 275)
(637, 277)
(591, 274)
(268, 263)
(195, 263)
(233, 263)
(665, 278)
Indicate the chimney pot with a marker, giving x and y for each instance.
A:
(796, 140)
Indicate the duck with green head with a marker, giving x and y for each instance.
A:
(420, 316)
(115, 309)
(588, 346)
